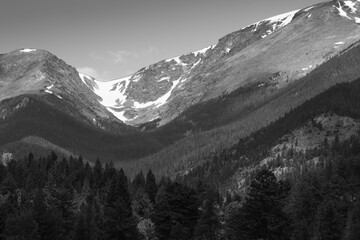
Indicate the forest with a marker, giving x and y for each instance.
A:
(51, 198)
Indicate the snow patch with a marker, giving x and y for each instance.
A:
(285, 18)
(118, 115)
(351, 5)
(357, 20)
(163, 79)
(136, 78)
(83, 76)
(341, 11)
(177, 60)
(277, 22)
(339, 43)
(203, 51)
(48, 91)
(256, 26)
(309, 15)
(307, 68)
(49, 87)
(112, 92)
(227, 50)
(195, 64)
(27, 50)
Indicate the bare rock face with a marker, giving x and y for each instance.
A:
(274, 51)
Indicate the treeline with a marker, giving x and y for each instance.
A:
(48, 198)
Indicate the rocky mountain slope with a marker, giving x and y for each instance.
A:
(294, 43)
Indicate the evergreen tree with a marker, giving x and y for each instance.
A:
(233, 221)
(80, 230)
(119, 221)
(329, 222)
(9, 183)
(150, 186)
(263, 215)
(139, 180)
(50, 225)
(208, 224)
(98, 173)
(352, 231)
(21, 226)
(175, 203)
(305, 197)
(179, 232)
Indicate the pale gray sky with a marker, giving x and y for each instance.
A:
(113, 38)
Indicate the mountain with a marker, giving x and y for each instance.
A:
(33, 71)
(43, 97)
(174, 115)
(294, 43)
(209, 127)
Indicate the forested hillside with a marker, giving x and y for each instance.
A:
(232, 121)
(50, 198)
(342, 99)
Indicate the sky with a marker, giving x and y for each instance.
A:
(109, 39)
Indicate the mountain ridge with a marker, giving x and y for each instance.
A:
(134, 100)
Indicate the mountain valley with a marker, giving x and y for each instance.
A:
(254, 137)
(179, 112)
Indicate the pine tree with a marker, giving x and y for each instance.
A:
(305, 197)
(119, 221)
(208, 224)
(49, 221)
(233, 221)
(9, 182)
(98, 173)
(352, 231)
(80, 230)
(139, 180)
(150, 186)
(263, 215)
(179, 232)
(21, 226)
(175, 203)
(329, 222)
